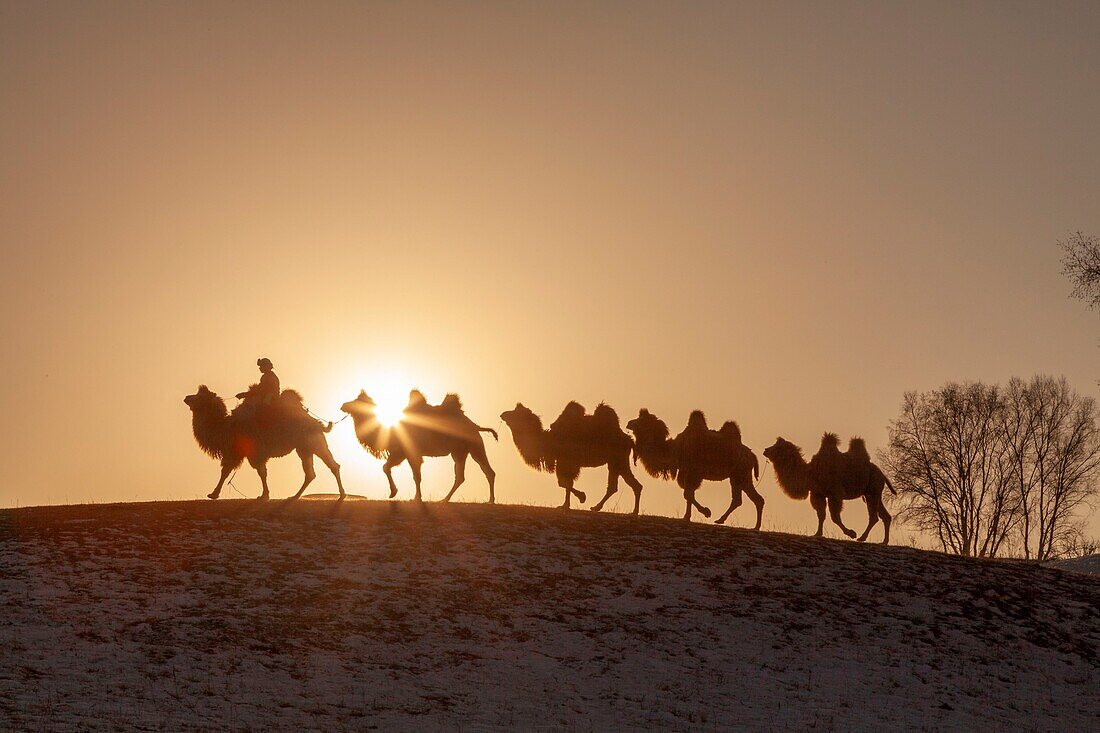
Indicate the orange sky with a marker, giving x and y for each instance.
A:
(783, 214)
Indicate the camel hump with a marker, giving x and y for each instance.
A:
(451, 403)
(857, 448)
(604, 414)
(697, 419)
(574, 409)
(731, 430)
(570, 418)
(830, 442)
(291, 395)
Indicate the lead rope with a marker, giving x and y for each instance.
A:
(333, 422)
(230, 482)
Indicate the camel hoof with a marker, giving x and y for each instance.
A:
(213, 495)
(393, 493)
(705, 513)
(263, 497)
(582, 497)
(850, 534)
(595, 508)
(492, 501)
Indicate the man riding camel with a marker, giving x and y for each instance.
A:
(258, 397)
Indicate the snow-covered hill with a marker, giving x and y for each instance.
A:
(1086, 564)
(358, 615)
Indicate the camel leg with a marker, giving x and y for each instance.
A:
(460, 474)
(326, 457)
(872, 515)
(818, 503)
(568, 486)
(387, 469)
(566, 476)
(262, 470)
(702, 509)
(835, 505)
(735, 501)
(758, 502)
(612, 488)
(635, 485)
(226, 470)
(415, 464)
(307, 468)
(690, 486)
(482, 461)
(570, 492)
(885, 523)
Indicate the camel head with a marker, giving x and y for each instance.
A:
(783, 452)
(371, 434)
(520, 418)
(208, 420)
(791, 469)
(204, 400)
(362, 407)
(651, 444)
(528, 436)
(647, 426)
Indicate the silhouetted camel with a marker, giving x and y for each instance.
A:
(698, 454)
(575, 440)
(231, 438)
(831, 477)
(424, 431)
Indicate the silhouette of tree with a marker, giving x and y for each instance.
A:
(1053, 442)
(952, 469)
(991, 471)
(1081, 264)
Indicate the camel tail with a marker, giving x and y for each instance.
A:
(490, 431)
(755, 467)
(328, 428)
(889, 485)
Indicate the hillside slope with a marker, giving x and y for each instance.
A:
(244, 615)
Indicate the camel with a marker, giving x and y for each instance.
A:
(830, 478)
(424, 431)
(575, 440)
(698, 454)
(233, 437)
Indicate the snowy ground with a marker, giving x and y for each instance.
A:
(318, 615)
(1087, 564)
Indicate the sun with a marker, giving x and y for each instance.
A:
(391, 402)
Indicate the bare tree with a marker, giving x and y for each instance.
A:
(1053, 443)
(1081, 264)
(950, 464)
